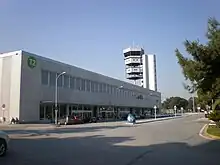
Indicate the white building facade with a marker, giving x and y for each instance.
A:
(152, 72)
(27, 91)
(141, 67)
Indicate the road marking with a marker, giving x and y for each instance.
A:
(201, 133)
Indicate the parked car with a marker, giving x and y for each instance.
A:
(4, 142)
(70, 120)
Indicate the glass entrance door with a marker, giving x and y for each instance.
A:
(46, 112)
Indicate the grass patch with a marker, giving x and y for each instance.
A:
(213, 130)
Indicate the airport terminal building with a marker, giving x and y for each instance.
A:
(27, 91)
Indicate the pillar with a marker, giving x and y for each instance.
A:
(67, 109)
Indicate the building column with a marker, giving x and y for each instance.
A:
(58, 110)
(67, 110)
(44, 107)
(53, 111)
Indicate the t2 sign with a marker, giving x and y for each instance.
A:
(32, 62)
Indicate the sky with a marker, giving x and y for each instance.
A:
(92, 33)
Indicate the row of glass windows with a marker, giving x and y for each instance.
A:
(76, 83)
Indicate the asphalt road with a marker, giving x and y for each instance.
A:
(169, 142)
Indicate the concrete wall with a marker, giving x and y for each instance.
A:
(145, 71)
(152, 72)
(33, 92)
(10, 64)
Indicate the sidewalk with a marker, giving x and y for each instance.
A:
(157, 119)
(52, 126)
(141, 121)
(4, 126)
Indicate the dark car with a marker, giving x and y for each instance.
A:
(70, 120)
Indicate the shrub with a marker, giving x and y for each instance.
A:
(218, 124)
(215, 116)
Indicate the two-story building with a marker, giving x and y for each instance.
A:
(28, 83)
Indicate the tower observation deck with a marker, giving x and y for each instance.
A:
(133, 63)
(140, 67)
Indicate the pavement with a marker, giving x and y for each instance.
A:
(167, 142)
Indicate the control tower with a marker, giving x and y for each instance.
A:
(140, 67)
(133, 63)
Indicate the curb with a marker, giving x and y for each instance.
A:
(162, 119)
(204, 134)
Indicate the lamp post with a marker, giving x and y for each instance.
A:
(182, 111)
(115, 110)
(56, 84)
(193, 104)
(175, 109)
(155, 112)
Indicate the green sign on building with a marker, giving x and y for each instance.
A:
(32, 62)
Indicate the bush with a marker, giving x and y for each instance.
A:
(215, 116)
(218, 124)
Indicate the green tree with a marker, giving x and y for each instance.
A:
(169, 103)
(202, 68)
(165, 104)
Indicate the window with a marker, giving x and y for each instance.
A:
(120, 92)
(92, 86)
(78, 80)
(44, 77)
(41, 112)
(66, 81)
(88, 88)
(60, 80)
(87, 107)
(74, 107)
(113, 90)
(83, 84)
(130, 93)
(108, 88)
(100, 87)
(125, 93)
(72, 83)
(104, 88)
(96, 87)
(52, 78)
(80, 107)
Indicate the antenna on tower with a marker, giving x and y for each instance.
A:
(133, 44)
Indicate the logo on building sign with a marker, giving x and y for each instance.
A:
(3, 106)
(32, 62)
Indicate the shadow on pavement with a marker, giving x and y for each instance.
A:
(99, 150)
(62, 130)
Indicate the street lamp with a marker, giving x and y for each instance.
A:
(56, 109)
(155, 112)
(114, 108)
(175, 109)
(182, 111)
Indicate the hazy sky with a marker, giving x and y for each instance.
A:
(92, 33)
